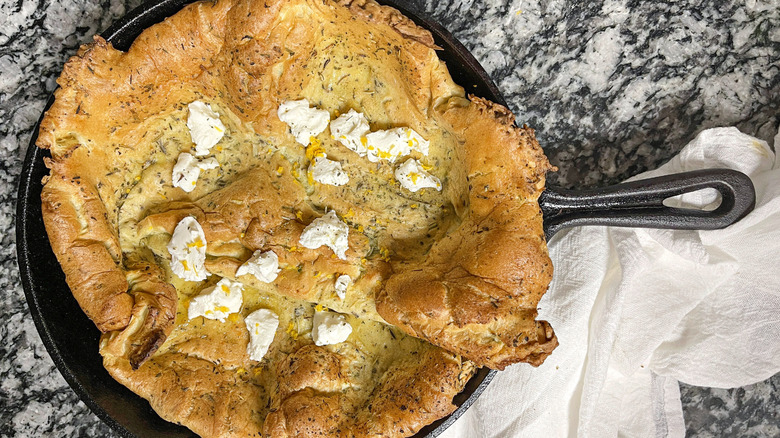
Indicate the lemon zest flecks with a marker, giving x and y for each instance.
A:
(314, 149)
(385, 155)
(291, 331)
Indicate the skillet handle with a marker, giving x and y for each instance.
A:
(640, 203)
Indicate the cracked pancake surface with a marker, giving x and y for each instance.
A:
(441, 280)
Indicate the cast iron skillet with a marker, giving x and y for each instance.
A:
(72, 339)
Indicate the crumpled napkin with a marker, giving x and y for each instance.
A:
(637, 310)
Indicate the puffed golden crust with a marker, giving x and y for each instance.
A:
(413, 393)
(305, 391)
(462, 269)
(476, 291)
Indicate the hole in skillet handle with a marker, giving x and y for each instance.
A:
(71, 338)
(641, 203)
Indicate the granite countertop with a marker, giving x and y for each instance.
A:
(612, 88)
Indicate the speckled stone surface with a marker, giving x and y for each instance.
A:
(612, 87)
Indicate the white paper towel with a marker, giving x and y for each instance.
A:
(638, 310)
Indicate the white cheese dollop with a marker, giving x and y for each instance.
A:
(327, 230)
(263, 265)
(327, 171)
(187, 170)
(304, 122)
(350, 129)
(342, 283)
(217, 302)
(413, 176)
(187, 248)
(262, 325)
(391, 144)
(329, 328)
(206, 129)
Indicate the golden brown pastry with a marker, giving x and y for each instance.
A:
(440, 279)
(475, 292)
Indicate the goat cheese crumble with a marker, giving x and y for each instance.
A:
(263, 265)
(304, 122)
(206, 129)
(327, 230)
(342, 283)
(391, 144)
(350, 129)
(413, 176)
(329, 328)
(262, 325)
(218, 301)
(187, 170)
(187, 248)
(326, 171)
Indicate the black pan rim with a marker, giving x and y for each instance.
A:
(121, 34)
